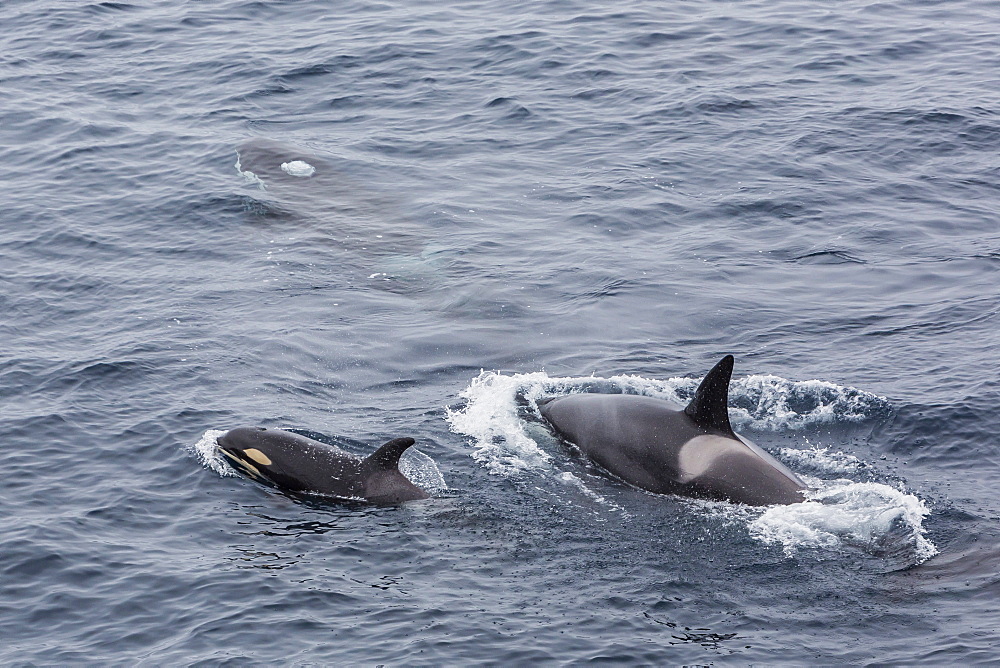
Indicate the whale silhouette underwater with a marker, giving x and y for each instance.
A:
(662, 448)
(318, 201)
(298, 464)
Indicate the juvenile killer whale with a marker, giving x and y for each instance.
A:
(667, 449)
(296, 463)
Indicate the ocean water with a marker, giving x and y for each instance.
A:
(482, 205)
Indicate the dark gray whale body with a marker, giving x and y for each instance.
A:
(296, 463)
(666, 449)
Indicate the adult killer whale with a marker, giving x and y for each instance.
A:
(296, 463)
(666, 449)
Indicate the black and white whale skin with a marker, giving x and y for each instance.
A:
(663, 448)
(296, 463)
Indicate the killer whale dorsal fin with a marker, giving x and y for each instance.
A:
(387, 456)
(710, 407)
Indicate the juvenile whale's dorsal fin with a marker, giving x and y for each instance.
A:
(387, 456)
(710, 407)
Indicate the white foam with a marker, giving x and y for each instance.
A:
(249, 176)
(822, 459)
(298, 168)
(872, 516)
(764, 403)
(207, 451)
(490, 418)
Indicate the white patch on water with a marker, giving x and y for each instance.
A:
(838, 463)
(207, 451)
(298, 168)
(772, 403)
(489, 417)
(249, 176)
(872, 516)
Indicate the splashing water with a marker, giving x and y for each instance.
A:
(422, 471)
(875, 517)
(490, 415)
(207, 451)
(878, 518)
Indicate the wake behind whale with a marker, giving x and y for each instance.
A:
(848, 502)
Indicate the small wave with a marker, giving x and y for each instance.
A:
(772, 403)
(819, 461)
(495, 405)
(829, 257)
(207, 451)
(877, 518)
(490, 417)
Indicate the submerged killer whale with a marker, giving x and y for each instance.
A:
(666, 449)
(299, 464)
(323, 203)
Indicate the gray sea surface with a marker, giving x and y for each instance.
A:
(508, 201)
